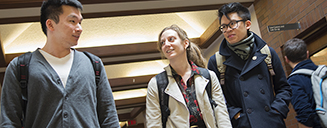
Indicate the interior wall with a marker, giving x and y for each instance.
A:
(274, 12)
(319, 58)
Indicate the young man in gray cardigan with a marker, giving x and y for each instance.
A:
(62, 91)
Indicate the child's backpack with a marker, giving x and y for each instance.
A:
(23, 64)
(162, 82)
(319, 87)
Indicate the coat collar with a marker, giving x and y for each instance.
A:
(172, 88)
(174, 91)
(255, 58)
(308, 64)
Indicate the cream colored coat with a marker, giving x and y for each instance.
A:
(179, 114)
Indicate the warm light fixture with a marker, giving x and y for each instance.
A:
(154, 68)
(128, 94)
(135, 68)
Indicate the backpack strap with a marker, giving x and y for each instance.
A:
(23, 64)
(265, 50)
(162, 82)
(302, 71)
(205, 73)
(321, 72)
(96, 66)
(221, 67)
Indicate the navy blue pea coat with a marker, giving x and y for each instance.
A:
(249, 90)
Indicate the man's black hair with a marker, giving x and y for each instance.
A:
(51, 9)
(226, 9)
(295, 50)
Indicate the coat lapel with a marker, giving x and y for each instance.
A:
(254, 61)
(200, 84)
(256, 56)
(172, 88)
(203, 99)
(232, 60)
(235, 62)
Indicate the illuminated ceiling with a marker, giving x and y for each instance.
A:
(123, 33)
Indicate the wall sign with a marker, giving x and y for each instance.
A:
(283, 27)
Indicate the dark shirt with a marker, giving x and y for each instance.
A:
(189, 95)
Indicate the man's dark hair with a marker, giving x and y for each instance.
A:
(51, 9)
(241, 11)
(295, 50)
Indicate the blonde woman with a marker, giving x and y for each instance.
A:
(189, 103)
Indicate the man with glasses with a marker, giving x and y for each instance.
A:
(256, 97)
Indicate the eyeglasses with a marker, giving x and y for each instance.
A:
(233, 24)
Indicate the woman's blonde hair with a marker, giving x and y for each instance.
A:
(193, 51)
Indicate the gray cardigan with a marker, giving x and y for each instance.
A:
(52, 105)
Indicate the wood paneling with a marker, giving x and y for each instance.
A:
(315, 36)
(130, 103)
(126, 83)
(2, 55)
(210, 35)
(6, 4)
(104, 14)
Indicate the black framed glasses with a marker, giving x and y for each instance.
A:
(233, 24)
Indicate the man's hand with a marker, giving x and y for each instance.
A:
(237, 115)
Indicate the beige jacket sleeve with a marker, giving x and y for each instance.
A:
(221, 113)
(153, 113)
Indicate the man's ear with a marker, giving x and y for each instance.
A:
(50, 24)
(286, 59)
(248, 24)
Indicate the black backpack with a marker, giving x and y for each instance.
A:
(23, 65)
(162, 82)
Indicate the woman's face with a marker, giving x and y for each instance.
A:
(172, 45)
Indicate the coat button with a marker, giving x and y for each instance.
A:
(254, 58)
(262, 91)
(65, 115)
(267, 108)
(59, 81)
(245, 94)
(260, 76)
(242, 78)
(249, 111)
